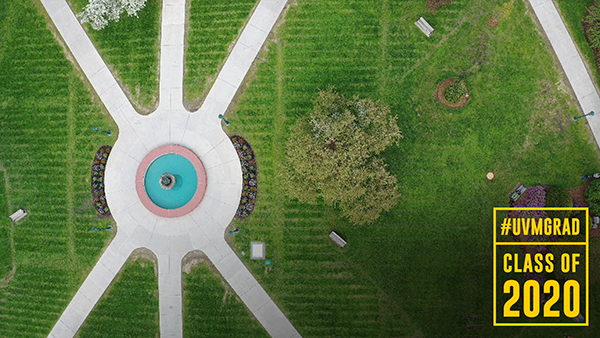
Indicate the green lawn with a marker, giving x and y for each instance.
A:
(424, 269)
(129, 307)
(212, 309)
(46, 150)
(6, 254)
(426, 266)
(130, 48)
(213, 27)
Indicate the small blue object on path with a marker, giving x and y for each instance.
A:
(224, 120)
(267, 262)
(107, 132)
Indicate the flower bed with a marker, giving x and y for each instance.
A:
(459, 93)
(249, 190)
(98, 180)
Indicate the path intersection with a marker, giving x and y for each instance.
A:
(171, 124)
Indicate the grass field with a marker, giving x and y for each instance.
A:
(424, 269)
(46, 150)
(6, 254)
(426, 266)
(130, 48)
(212, 28)
(129, 307)
(212, 309)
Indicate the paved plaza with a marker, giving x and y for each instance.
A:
(201, 132)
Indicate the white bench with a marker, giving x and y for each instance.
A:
(337, 239)
(424, 26)
(18, 215)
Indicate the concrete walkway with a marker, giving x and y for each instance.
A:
(570, 60)
(202, 229)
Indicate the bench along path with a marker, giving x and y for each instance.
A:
(570, 60)
(203, 228)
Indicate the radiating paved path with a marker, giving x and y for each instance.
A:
(202, 229)
(570, 60)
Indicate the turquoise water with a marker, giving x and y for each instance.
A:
(186, 181)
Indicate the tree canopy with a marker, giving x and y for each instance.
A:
(99, 12)
(332, 154)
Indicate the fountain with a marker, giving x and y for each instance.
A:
(171, 181)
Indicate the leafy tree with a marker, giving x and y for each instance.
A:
(331, 154)
(99, 12)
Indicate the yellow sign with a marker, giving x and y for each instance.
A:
(541, 267)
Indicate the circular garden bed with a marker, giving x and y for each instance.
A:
(453, 93)
(98, 180)
(249, 174)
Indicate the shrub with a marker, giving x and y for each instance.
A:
(556, 197)
(592, 196)
(455, 91)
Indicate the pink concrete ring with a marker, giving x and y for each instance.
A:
(141, 173)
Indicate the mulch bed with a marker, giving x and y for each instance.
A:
(442, 89)
(249, 175)
(98, 180)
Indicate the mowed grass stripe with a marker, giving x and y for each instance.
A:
(129, 307)
(213, 27)
(211, 308)
(42, 102)
(130, 47)
(26, 308)
(6, 247)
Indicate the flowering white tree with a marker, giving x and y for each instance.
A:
(99, 12)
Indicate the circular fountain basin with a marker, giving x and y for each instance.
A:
(171, 181)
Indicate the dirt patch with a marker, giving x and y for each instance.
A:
(145, 254)
(442, 90)
(192, 259)
(577, 194)
(493, 22)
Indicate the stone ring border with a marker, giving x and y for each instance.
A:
(141, 173)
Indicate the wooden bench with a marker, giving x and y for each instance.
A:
(337, 239)
(18, 215)
(424, 26)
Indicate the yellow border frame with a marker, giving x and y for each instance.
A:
(587, 262)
